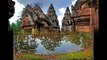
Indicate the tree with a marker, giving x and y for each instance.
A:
(16, 27)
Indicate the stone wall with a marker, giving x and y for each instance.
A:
(86, 8)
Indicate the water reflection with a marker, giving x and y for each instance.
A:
(50, 45)
(58, 46)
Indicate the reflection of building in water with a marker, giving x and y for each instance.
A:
(27, 45)
(85, 15)
(51, 44)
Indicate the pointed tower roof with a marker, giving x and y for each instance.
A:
(67, 14)
(51, 6)
(27, 9)
(28, 6)
(51, 14)
(36, 5)
(67, 9)
(39, 11)
(37, 8)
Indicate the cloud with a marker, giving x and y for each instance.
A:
(18, 8)
(62, 10)
(60, 17)
(73, 2)
(70, 8)
(60, 20)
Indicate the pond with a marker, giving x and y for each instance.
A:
(56, 45)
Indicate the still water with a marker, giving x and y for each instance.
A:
(56, 45)
(59, 46)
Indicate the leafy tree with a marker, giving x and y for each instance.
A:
(16, 27)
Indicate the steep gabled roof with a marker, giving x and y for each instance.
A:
(28, 6)
(36, 5)
(67, 12)
(37, 8)
(67, 9)
(38, 12)
(51, 6)
(27, 9)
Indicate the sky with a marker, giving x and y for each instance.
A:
(59, 6)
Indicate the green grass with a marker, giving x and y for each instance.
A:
(32, 57)
(29, 57)
(78, 56)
